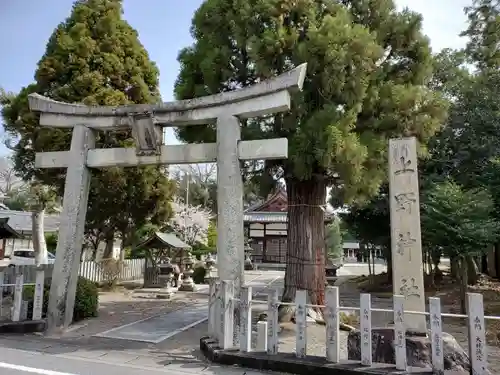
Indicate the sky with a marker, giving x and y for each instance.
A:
(163, 26)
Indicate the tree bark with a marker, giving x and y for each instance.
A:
(454, 265)
(38, 237)
(108, 250)
(472, 271)
(305, 263)
(463, 285)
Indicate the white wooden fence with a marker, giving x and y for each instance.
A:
(17, 310)
(221, 315)
(133, 269)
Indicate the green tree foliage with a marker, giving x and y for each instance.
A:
(17, 199)
(483, 32)
(467, 149)
(212, 236)
(368, 66)
(470, 141)
(459, 223)
(334, 240)
(93, 57)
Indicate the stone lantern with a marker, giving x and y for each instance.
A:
(209, 267)
(166, 272)
(248, 260)
(188, 283)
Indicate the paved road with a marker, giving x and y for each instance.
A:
(20, 362)
(28, 357)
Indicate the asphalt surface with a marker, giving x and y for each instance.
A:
(19, 362)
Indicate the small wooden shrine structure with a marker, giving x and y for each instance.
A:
(158, 247)
(266, 226)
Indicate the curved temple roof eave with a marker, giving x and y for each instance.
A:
(291, 81)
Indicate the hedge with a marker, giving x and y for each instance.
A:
(86, 299)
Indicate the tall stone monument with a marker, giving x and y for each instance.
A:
(146, 121)
(406, 244)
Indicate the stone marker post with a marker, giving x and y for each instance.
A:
(146, 121)
(406, 244)
(230, 194)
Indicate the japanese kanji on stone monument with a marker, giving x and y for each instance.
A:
(146, 121)
(406, 244)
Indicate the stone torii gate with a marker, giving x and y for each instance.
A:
(147, 121)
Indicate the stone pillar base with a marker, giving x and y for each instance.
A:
(418, 350)
(187, 286)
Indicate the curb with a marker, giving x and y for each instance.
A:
(27, 326)
(288, 363)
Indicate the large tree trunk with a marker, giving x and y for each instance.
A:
(472, 271)
(454, 267)
(38, 237)
(305, 263)
(463, 284)
(108, 250)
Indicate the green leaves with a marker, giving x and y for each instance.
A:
(93, 57)
(367, 66)
(457, 220)
(333, 239)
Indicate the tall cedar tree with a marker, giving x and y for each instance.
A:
(93, 57)
(368, 66)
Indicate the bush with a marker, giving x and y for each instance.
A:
(199, 275)
(86, 299)
(200, 249)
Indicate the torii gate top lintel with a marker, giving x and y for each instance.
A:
(269, 96)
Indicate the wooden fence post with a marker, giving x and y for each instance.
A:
(272, 322)
(436, 335)
(399, 332)
(38, 296)
(218, 311)
(18, 295)
(2, 282)
(261, 345)
(212, 300)
(332, 324)
(365, 329)
(227, 315)
(301, 323)
(246, 319)
(477, 334)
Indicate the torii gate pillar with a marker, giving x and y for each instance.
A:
(146, 121)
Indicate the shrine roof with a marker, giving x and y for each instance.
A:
(20, 221)
(273, 210)
(6, 231)
(278, 197)
(161, 240)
